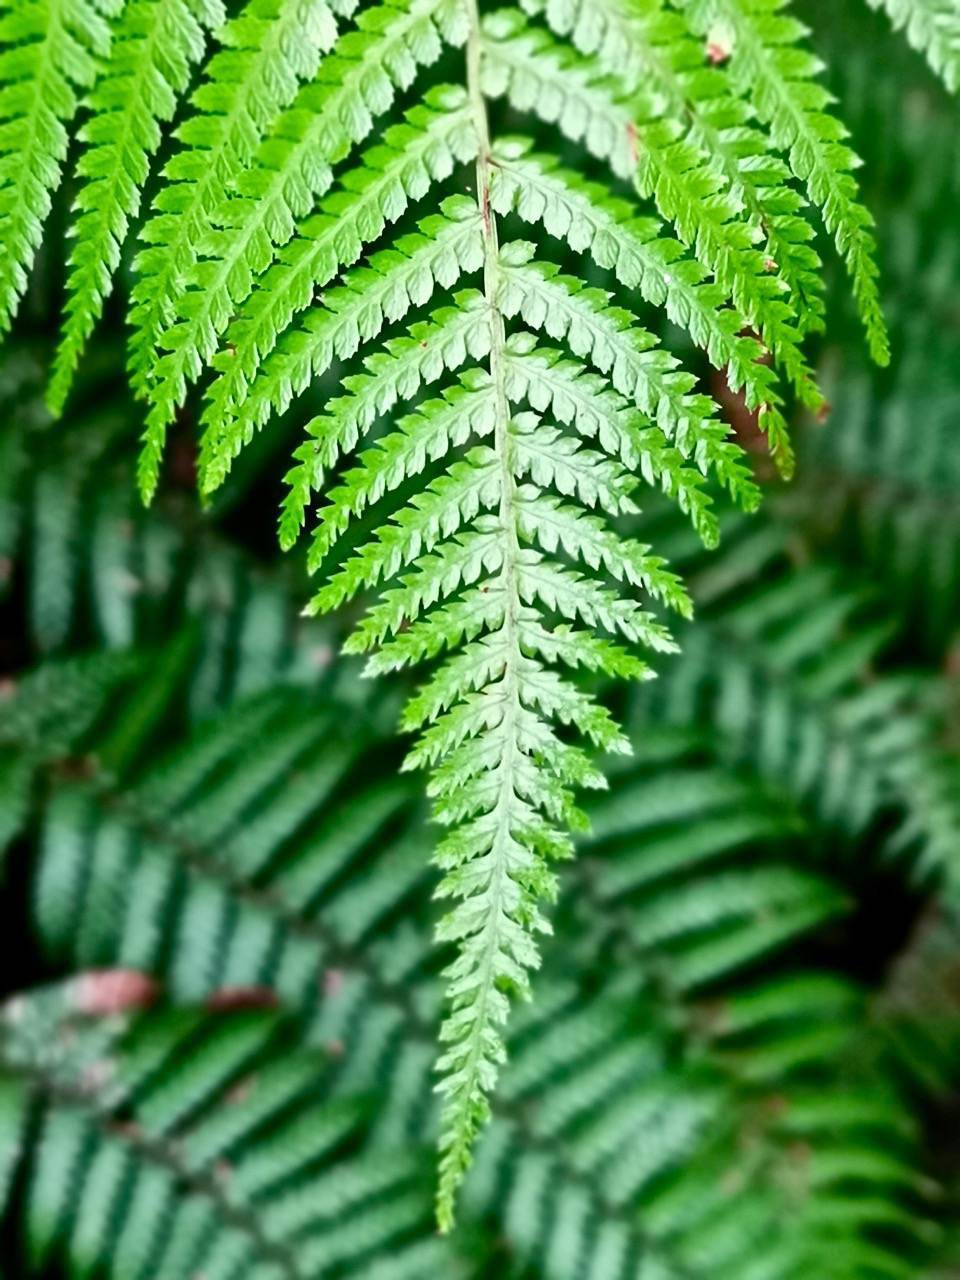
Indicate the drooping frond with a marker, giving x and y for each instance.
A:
(768, 63)
(648, 48)
(155, 46)
(540, 75)
(933, 28)
(270, 48)
(48, 57)
(477, 473)
(328, 117)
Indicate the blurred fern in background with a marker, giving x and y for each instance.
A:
(742, 1058)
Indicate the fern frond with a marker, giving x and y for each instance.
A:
(597, 1128)
(537, 73)
(481, 468)
(637, 367)
(648, 48)
(784, 675)
(48, 713)
(589, 218)
(446, 246)
(400, 168)
(770, 66)
(48, 58)
(406, 364)
(270, 48)
(327, 118)
(154, 48)
(933, 29)
(189, 1138)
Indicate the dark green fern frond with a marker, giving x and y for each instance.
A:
(220, 871)
(155, 46)
(183, 1139)
(783, 670)
(95, 567)
(45, 715)
(48, 57)
(594, 1097)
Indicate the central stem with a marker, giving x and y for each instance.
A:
(503, 449)
(490, 939)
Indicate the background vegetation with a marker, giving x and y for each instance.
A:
(742, 1057)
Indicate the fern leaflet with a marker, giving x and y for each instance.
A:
(767, 64)
(155, 45)
(48, 57)
(933, 28)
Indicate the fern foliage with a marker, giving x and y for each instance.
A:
(933, 28)
(682, 1095)
(48, 59)
(180, 1139)
(502, 420)
(155, 47)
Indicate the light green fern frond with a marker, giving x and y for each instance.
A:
(48, 57)
(648, 48)
(769, 65)
(933, 28)
(292, 168)
(506, 559)
(689, 188)
(270, 48)
(589, 218)
(476, 470)
(401, 168)
(155, 46)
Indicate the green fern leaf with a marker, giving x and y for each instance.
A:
(49, 56)
(768, 64)
(209, 1137)
(648, 48)
(540, 75)
(271, 47)
(401, 168)
(154, 47)
(446, 246)
(481, 470)
(589, 218)
(325, 120)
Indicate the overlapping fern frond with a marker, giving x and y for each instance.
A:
(486, 517)
(786, 670)
(48, 57)
(155, 47)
